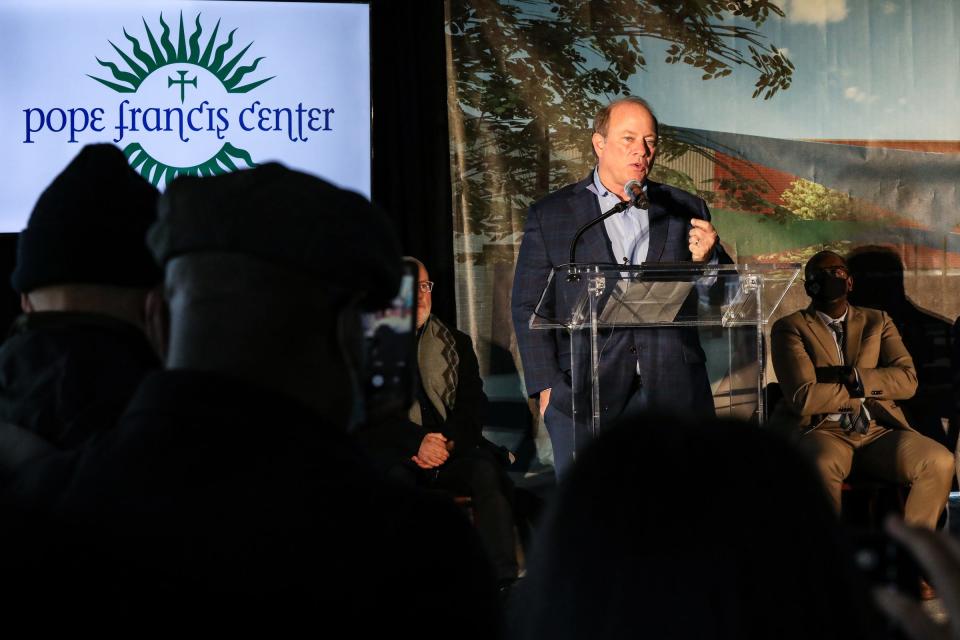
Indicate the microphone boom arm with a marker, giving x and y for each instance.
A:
(617, 208)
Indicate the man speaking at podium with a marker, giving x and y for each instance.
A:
(655, 369)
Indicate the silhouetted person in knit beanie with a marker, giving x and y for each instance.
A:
(84, 273)
(230, 489)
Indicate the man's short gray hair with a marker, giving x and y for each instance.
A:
(602, 120)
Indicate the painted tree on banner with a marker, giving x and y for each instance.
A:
(528, 76)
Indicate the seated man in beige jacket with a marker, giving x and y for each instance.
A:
(841, 369)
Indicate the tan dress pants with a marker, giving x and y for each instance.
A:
(893, 455)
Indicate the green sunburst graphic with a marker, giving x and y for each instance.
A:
(187, 51)
(160, 174)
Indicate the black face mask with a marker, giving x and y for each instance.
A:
(826, 287)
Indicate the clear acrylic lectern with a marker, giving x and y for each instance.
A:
(729, 305)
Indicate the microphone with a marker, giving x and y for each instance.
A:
(638, 197)
(633, 189)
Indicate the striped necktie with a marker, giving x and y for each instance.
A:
(837, 327)
(854, 421)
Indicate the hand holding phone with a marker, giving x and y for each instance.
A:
(390, 341)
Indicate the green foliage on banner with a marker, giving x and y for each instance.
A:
(529, 76)
(749, 237)
(811, 201)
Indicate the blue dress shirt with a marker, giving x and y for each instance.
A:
(629, 230)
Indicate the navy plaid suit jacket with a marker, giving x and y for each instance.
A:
(671, 360)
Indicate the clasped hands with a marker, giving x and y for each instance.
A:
(434, 451)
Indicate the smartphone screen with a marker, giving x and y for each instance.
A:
(390, 339)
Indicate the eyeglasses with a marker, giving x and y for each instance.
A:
(425, 286)
(836, 272)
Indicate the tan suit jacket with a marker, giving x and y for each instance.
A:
(801, 342)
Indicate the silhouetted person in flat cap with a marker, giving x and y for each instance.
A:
(74, 358)
(230, 490)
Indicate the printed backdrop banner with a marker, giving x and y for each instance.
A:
(805, 124)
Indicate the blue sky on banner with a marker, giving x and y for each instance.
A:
(865, 69)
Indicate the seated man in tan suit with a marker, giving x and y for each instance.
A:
(841, 369)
